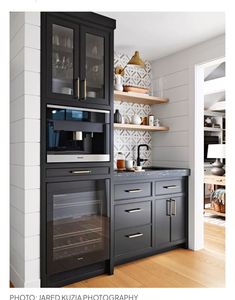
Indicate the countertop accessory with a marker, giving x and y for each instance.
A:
(129, 163)
(136, 120)
(118, 83)
(139, 160)
(144, 121)
(121, 161)
(157, 122)
(151, 120)
(135, 60)
(216, 151)
(138, 168)
(117, 117)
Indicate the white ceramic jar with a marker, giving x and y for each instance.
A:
(136, 120)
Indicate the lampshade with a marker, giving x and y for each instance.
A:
(136, 60)
(216, 151)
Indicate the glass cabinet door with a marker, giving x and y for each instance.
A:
(96, 77)
(94, 66)
(62, 60)
(78, 224)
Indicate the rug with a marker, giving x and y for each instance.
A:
(214, 219)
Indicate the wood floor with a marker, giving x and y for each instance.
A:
(176, 268)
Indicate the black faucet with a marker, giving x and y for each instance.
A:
(139, 160)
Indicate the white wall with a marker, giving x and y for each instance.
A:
(174, 78)
(24, 148)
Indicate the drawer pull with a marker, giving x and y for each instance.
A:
(135, 235)
(170, 186)
(81, 172)
(134, 191)
(219, 180)
(133, 210)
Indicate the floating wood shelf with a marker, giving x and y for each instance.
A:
(138, 98)
(140, 127)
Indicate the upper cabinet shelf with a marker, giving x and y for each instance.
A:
(138, 98)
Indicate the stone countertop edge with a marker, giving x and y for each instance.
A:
(163, 173)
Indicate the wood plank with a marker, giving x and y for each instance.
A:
(176, 268)
(140, 127)
(138, 98)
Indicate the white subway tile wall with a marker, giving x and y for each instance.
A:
(25, 148)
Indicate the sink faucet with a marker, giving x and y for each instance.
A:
(139, 160)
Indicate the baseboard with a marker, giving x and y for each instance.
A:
(15, 278)
(18, 282)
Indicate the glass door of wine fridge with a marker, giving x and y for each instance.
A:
(77, 224)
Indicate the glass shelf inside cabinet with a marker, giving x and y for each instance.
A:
(62, 60)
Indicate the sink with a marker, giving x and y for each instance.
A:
(157, 168)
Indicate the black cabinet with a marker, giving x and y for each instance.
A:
(170, 221)
(76, 82)
(133, 228)
(77, 58)
(150, 213)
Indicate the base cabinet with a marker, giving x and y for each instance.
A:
(150, 219)
(170, 221)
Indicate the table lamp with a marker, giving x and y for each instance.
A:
(217, 151)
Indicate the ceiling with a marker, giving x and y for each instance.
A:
(158, 34)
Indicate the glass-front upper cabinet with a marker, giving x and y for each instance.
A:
(62, 60)
(77, 64)
(95, 70)
(61, 65)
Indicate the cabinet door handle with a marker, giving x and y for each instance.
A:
(80, 258)
(170, 186)
(84, 89)
(134, 191)
(81, 172)
(135, 235)
(78, 88)
(133, 210)
(173, 207)
(168, 207)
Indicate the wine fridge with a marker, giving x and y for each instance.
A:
(77, 223)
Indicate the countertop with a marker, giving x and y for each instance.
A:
(156, 172)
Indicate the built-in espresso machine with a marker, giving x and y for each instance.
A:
(77, 134)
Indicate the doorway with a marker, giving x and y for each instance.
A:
(211, 136)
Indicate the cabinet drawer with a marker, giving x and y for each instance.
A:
(77, 171)
(169, 187)
(132, 239)
(133, 214)
(132, 190)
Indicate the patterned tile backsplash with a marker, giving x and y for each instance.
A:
(127, 141)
